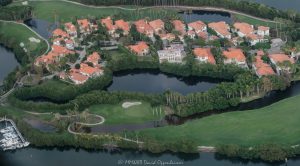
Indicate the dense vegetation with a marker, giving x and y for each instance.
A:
(256, 9)
(5, 2)
(15, 13)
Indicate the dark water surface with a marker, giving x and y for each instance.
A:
(8, 62)
(206, 16)
(152, 81)
(72, 157)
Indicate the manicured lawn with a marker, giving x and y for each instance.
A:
(278, 123)
(20, 34)
(115, 114)
(253, 21)
(64, 11)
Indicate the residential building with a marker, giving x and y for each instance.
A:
(121, 24)
(243, 29)
(172, 54)
(143, 27)
(168, 36)
(179, 26)
(279, 59)
(197, 26)
(108, 24)
(140, 49)
(71, 29)
(158, 26)
(204, 55)
(94, 58)
(191, 34)
(235, 56)
(89, 71)
(263, 31)
(59, 33)
(260, 67)
(221, 28)
(84, 26)
(77, 78)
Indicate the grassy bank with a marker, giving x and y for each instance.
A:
(277, 123)
(253, 21)
(13, 34)
(116, 114)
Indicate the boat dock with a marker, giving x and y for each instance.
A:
(10, 137)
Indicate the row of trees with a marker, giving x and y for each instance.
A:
(15, 13)
(252, 8)
(266, 152)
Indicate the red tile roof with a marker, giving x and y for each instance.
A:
(121, 24)
(108, 23)
(157, 24)
(263, 28)
(70, 27)
(61, 50)
(279, 58)
(139, 48)
(234, 53)
(179, 26)
(143, 27)
(88, 70)
(84, 23)
(93, 58)
(197, 25)
(59, 32)
(205, 53)
(220, 27)
(244, 28)
(262, 68)
(78, 77)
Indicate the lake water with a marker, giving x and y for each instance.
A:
(8, 62)
(152, 81)
(42, 27)
(206, 16)
(281, 4)
(72, 157)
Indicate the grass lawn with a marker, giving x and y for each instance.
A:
(115, 114)
(278, 123)
(65, 11)
(18, 33)
(253, 21)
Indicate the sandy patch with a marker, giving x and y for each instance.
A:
(32, 39)
(130, 104)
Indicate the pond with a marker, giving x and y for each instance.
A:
(42, 27)
(8, 62)
(79, 157)
(206, 16)
(153, 81)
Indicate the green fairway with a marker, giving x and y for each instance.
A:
(16, 34)
(278, 123)
(64, 11)
(253, 21)
(116, 114)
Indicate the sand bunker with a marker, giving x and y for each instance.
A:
(130, 104)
